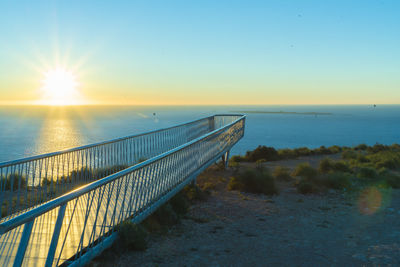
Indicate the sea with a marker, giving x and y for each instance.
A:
(31, 130)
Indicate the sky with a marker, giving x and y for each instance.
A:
(204, 52)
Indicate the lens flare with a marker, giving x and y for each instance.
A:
(370, 201)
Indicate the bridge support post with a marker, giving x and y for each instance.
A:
(225, 159)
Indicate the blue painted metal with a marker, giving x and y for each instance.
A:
(129, 194)
(26, 234)
(56, 234)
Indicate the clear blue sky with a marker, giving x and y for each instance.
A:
(205, 52)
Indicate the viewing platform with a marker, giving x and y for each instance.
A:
(62, 208)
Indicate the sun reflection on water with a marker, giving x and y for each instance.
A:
(58, 132)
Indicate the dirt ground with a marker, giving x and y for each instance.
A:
(240, 229)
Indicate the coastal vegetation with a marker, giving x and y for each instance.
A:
(258, 180)
(356, 168)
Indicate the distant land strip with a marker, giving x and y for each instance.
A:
(282, 112)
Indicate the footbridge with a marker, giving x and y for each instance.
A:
(62, 208)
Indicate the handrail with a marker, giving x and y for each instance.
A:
(63, 151)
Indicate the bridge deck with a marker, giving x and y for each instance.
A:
(36, 252)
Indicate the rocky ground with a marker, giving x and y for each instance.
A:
(239, 229)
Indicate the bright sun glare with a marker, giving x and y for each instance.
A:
(59, 88)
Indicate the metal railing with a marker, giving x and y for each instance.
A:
(73, 228)
(28, 182)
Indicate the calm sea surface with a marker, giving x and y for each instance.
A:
(27, 131)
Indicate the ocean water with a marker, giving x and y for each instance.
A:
(31, 130)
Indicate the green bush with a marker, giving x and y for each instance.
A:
(83, 173)
(335, 149)
(362, 147)
(282, 174)
(386, 159)
(325, 165)
(262, 152)
(302, 151)
(377, 148)
(362, 158)
(392, 180)
(306, 187)
(349, 154)
(341, 166)
(367, 172)
(254, 181)
(395, 147)
(322, 150)
(336, 180)
(237, 159)
(305, 170)
(286, 153)
(193, 192)
(14, 181)
(132, 236)
(180, 203)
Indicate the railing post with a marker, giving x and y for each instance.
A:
(56, 235)
(23, 244)
(225, 159)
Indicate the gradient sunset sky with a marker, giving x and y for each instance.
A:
(204, 52)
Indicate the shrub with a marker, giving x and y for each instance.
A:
(83, 173)
(305, 170)
(302, 151)
(362, 158)
(341, 166)
(179, 203)
(286, 153)
(367, 172)
(322, 150)
(15, 181)
(385, 159)
(395, 147)
(262, 152)
(335, 149)
(46, 181)
(362, 147)
(336, 180)
(306, 187)
(377, 148)
(392, 180)
(166, 215)
(132, 236)
(193, 192)
(282, 174)
(254, 181)
(237, 159)
(325, 165)
(349, 154)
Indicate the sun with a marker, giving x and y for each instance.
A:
(59, 87)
